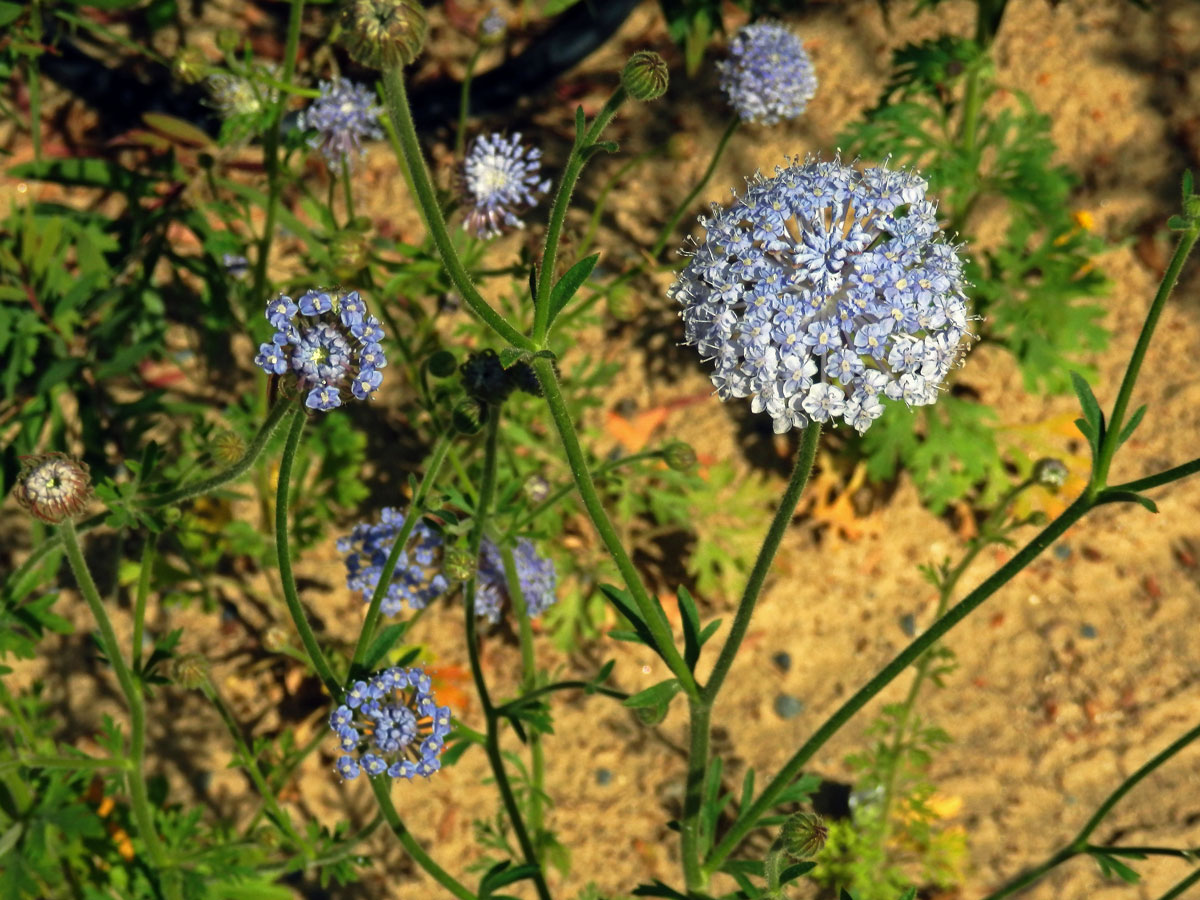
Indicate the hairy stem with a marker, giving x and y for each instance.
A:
(681, 210)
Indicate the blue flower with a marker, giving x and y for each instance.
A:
(328, 342)
(366, 550)
(501, 177)
(535, 575)
(400, 732)
(343, 116)
(851, 297)
(768, 75)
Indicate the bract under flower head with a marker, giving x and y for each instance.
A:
(824, 291)
(501, 176)
(53, 486)
(413, 582)
(390, 723)
(331, 344)
(535, 573)
(343, 116)
(768, 76)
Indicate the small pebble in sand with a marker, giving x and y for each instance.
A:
(603, 777)
(788, 707)
(782, 660)
(1088, 631)
(908, 624)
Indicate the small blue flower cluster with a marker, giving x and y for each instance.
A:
(535, 574)
(329, 341)
(501, 176)
(823, 291)
(366, 550)
(390, 723)
(343, 116)
(768, 75)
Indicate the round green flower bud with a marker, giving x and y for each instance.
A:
(803, 835)
(680, 456)
(645, 76)
(457, 564)
(384, 33)
(1051, 473)
(189, 65)
(228, 447)
(190, 671)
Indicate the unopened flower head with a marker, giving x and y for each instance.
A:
(343, 116)
(502, 176)
(53, 486)
(535, 574)
(384, 33)
(492, 28)
(390, 723)
(823, 292)
(768, 76)
(329, 341)
(236, 95)
(414, 581)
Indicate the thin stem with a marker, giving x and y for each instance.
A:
(284, 552)
(1182, 887)
(235, 471)
(348, 191)
(34, 81)
(409, 843)
(367, 634)
(396, 101)
(602, 199)
(1116, 422)
(135, 775)
(787, 775)
(972, 101)
(580, 153)
(271, 147)
(1025, 879)
(528, 677)
(464, 104)
(766, 556)
(139, 604)
(651, 612)
(74, 763)
(511, 705)
(1153, 481)
(487, 491)
(699, 722)
(1188, 853)
(681, 210)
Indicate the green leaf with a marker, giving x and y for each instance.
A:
(794, 871)
(501, 874)
(383, 643)
(1179, 223)
(652, 703)
(510, 355)
(910, 894)
(624, 603)
(1111, 866)
(569, 284)
(580, 127)
(1128, 497)
(554, 7)
(1132, 424)
(1187, 184)
(179, 130)
(1093, 419)
(709, 630)
(658, 889)
(9, 12)
(97, 173)
(691, 627)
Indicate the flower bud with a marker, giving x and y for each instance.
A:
(679, 456)
(458, 565)
(803, 835)
(645, 76)
(384, 33)
(492, 29)
(276, 638)
(1051, 473)
(228, 447)
(536, 488)
(53, 486)
(189, 65)
(190, 671)
(349, 249)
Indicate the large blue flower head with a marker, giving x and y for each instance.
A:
(824, 291)
(343, 116)
(535, 574)
(331, 344)
(768, 75)
(414, 581)
(502, 177)
(390, 723)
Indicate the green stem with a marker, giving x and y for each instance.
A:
(73, 763)
(580, 153)
(139, 604)
(511, 705)
(972, 101)
(367, 634)
(348, 191)
(396, 100)
(1187, 241)
(766, 556)
(699, 721)
(34, 81)
(1188, 853)
(464, 105)
(602, 200)
(235, 471)
(487, 491)
(135, 776)
(681, 210)
(903, 660)
(1153, 481)
(284, 552)
(380, 786)
(651, 612)
(528, 677)
(271, 148)
(1182, 886)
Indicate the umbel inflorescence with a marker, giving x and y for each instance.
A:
(391, 723)
(823, 291)
(343, 117)
(502, 177)
(331, 344)
(768, 76)
(535, 575)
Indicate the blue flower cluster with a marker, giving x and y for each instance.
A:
(501, 177)
(823, 291)
(366, 550)
(343, 116)
(329, 341)
(768, 75)
(390, 723)
(535, 575)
